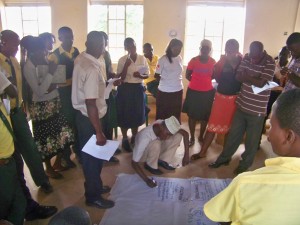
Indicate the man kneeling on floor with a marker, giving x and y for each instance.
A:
(156, 145)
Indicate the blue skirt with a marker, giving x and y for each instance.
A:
(130, 102)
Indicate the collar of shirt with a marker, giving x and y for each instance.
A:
(3, 57)
(92, 58)
(69, 54)
(292, 163)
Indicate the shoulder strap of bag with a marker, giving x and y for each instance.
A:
(7, 124)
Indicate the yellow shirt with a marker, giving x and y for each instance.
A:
(6, 69)
(53, 57)
(6, 140)
(152, 67)
(269, 195)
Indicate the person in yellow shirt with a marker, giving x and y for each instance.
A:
(24, 143)
(13, 203)
(271, 194)
(151, 82)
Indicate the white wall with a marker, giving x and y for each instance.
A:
(297, 25)
(267, 20)
(161, 16)
(71, 13)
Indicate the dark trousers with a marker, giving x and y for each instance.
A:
(91, 166)
(243, 123)
(13, 203)
(26, 146)
(31, 204)
(152, 87)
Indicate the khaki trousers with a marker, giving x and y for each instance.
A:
(163, 150)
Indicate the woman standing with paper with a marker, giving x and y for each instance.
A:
(51, 131)
(132, 69)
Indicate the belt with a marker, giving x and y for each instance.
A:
(3, 162)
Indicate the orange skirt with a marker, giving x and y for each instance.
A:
(222, 112)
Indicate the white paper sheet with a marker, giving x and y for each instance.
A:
(142, 70)
(268, 85)
(109, 87)
(101, 152)
(175, 201)
(59, 76)
(6, 103)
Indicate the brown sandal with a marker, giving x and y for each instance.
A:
(197, 156)
(54, 175)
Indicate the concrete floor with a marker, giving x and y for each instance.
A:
(69, 191)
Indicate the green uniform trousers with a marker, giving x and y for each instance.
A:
(13, 203)
(26, 146)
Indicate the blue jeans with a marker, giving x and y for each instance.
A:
(91, 166)
(243, 123)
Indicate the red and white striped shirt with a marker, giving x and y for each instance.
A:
(247, 101)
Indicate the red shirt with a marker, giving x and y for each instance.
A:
(201, 74)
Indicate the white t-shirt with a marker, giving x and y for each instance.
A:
(139, 63)
(142, 140)
(170, 74)
(88, 83)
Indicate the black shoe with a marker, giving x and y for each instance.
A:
(41, 212)
(68, 163)
(218, 164)
(46, 187)
(153, 171)
(165, 165)
(105, 189)
(101, 204)
(114, 160)
(126, 145)
(240, 169)
(118, 151)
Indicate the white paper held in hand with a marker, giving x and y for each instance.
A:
(268, 85)
(109, 87)
(143, 70)
(101, 152)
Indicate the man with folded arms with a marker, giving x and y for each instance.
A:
(256, 69)
(156, 145)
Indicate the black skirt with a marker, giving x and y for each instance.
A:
(197, 104)
(130, 102)
(168, 104)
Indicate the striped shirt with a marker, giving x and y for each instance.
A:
(247, 101)
(295, 68)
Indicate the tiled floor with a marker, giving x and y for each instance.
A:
(69, 191)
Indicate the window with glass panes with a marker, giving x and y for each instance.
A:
(119, 22)
(27, 20)
(215, 23)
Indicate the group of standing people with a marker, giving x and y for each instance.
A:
(65, 115)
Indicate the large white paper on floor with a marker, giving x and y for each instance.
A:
(174, 202)
(101, 152)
